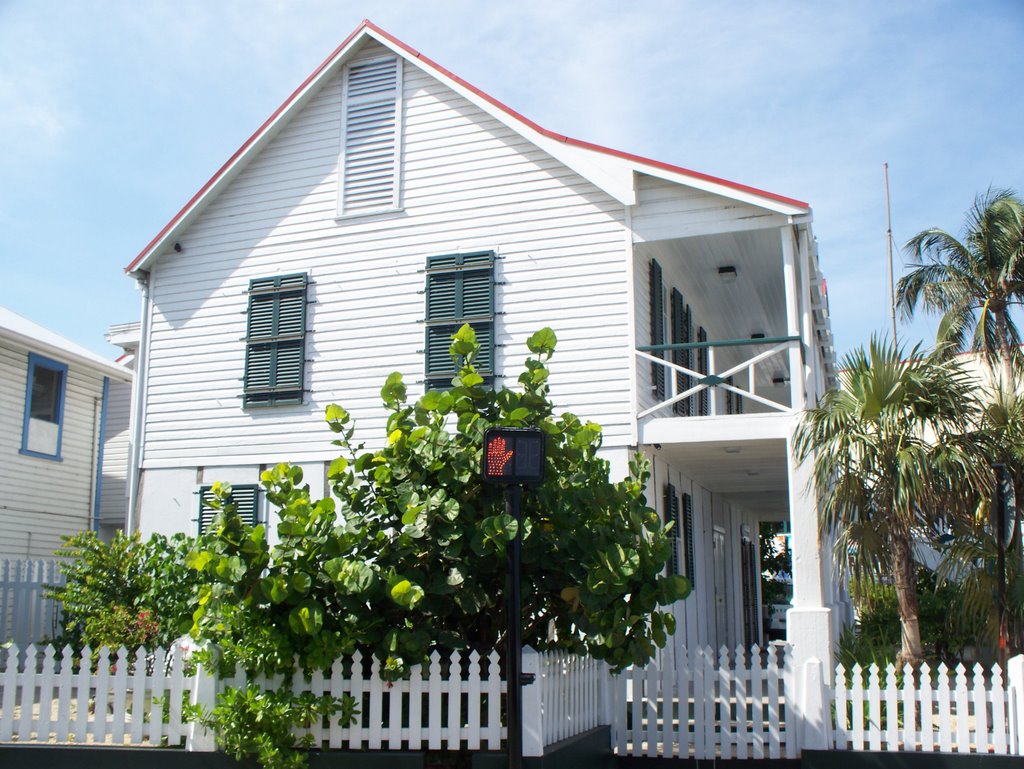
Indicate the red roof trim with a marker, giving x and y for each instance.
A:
(241, 150)
(367, 24)
(577, 142)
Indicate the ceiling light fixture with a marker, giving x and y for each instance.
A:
(727, 273)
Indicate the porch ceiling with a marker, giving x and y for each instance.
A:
(752, 474)
(754, 303)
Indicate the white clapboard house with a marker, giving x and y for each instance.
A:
(64, 425)
(386, 202)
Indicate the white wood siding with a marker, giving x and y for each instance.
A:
(114, 489)
(667, 210)
(469, 183)
(41, 499)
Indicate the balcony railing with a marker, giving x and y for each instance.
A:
(717, 381)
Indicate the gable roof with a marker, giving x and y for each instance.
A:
(609, 169)
(30, 335)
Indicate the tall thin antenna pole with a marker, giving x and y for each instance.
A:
(888, 244)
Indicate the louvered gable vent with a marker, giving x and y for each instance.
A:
(245, 499)
(371, 136)
(460, 289)
(275, 341)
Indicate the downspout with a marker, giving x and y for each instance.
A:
(101, 439)
(138, 404)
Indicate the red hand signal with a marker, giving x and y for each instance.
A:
(497, 456)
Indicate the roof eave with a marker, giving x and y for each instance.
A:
(32, 344)
(616, 179)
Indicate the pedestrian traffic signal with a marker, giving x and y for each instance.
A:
(513, 455)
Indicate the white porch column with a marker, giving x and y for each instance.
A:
(809, 621)
(806, 321)
(796, 363)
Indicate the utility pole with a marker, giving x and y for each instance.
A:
(888, 244)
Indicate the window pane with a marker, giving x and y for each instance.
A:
(46, 386)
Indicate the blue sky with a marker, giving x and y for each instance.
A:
(115, 113)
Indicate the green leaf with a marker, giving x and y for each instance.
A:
(336, 417)
(406, 594)
(499, 529)
(393, 392)
(350, 576)
(198, 559)
(307, 618)
(279, 592)
(337, 468)
(542, 342)
(464, 342)
(519, 414)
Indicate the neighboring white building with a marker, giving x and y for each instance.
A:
(57, 406)
(300, 275)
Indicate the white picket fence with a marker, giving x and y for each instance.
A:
(452, 704)
(26, 616)
(706, 706)
(947, 711)
(134, 699)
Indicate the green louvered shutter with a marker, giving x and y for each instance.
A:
(671, 515)
(275, 341)
(657, 300)
(460, 289)
(703, 364)
(244, 497)
(680, 335)
(687, 533)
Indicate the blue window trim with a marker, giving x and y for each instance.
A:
(34, 362)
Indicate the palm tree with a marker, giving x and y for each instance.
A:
(972, 559)
(892, 441)
(974, 282)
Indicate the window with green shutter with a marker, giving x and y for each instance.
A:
(244, 497)
(681, 333)
(687, 536)
(460, 289)
(275, 352)
(671, 515)
(657, 300)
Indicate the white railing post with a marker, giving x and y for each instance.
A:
(814, 713)
(533, 704)
(1015, 687)
(199, 739)
(713, 392)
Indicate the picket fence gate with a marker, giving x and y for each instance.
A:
(948, 711)
(26, 615)
(695, 704)
(572, 695)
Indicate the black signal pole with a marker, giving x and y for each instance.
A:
(514, 634)
(514, 457)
